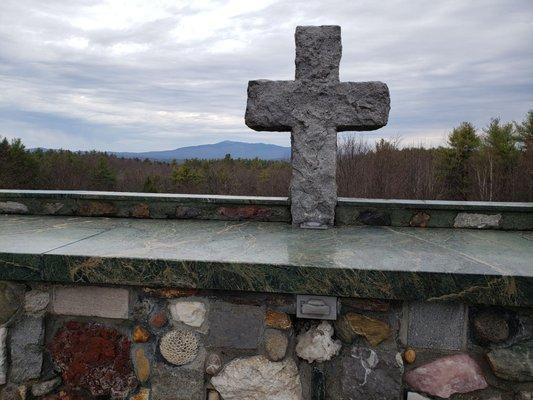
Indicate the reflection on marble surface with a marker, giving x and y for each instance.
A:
(395, 263)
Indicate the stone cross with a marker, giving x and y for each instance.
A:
(314, 107)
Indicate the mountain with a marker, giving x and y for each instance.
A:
(216, 150)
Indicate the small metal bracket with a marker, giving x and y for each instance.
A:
(316, 307)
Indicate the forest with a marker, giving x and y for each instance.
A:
(494, 163)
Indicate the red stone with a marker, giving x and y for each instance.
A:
(159, 319)
(248, 212)
(141, 210)
(96, 208)
(95, 358)
(446, 376)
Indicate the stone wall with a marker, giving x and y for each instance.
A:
(86, 342)
(408, 213)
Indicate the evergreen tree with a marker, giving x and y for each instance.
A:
(525, 131)
(103, 177)
(454, 162)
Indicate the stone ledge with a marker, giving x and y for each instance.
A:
(377, 212)
(486, 267)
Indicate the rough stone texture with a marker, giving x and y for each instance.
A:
(11, 296)
(277, 320)
(26, 341)
(364, 373)
(96, 209)
(235, 326)
(142, 394)
(171, 383)
(42, 388)
(36, 300)
(140, 334)
(437, 325)
(352, 324)
(141, 210)
(478, 221)
(3, 355)
(314, 107)
(158, 319)
(246, 213)
(276, 343)
(374, 218)
(514, 363)
(141, 365)
(316, 344)
(259, 379)
(491, 327)
(179, 347)
(446, 376)
(91, 301)
(213, 363)
(95, 358)
(420, 220)
(12, 207)
(191, 313)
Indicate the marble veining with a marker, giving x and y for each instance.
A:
(492, 267)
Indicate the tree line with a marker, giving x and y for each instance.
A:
(491, 164)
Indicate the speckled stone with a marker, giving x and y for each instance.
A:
(276, 343)
(437, 325)
(171, 383)
(141, 365)
(36, 300)
(491, 327)
(235, 326)
(26, 341)
(514, 363)
(277, 320)
(314, 107)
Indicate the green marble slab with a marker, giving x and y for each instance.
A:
(490, 267)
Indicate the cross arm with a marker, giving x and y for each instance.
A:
(269, 105)
(361, 106)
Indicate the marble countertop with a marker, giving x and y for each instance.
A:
(477, 266)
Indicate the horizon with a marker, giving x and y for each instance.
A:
(137, 77)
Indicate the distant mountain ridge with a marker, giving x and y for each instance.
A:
(263, 151)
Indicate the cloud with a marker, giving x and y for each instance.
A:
(130, 75)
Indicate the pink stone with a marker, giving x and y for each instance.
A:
(446, 376)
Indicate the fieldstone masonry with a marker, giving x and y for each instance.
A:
(314, 107)
(252, 347)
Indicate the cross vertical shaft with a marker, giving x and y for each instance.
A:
(314, 107)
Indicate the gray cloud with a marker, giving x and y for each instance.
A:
(145, 75)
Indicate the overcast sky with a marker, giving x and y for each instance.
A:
(147, 75)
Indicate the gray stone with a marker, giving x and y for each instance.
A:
(364, 373)
(514, 363)
(235, 326)
(36, 300)
(276, 343)
(314, 107)
(439, 326)
(42, 388)
(176, 383)
(11, 207)
(478, 221)
(26, 346)
(213, 363)
(91, 301)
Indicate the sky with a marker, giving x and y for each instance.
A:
(128, 75)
